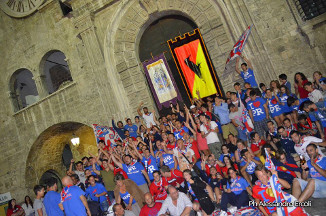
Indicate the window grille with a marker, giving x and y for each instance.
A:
(309, 9)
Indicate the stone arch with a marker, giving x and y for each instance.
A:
(134, 17)
(55, 72)
(46, 152)
(22, 88)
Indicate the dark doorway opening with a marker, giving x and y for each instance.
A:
(154, 42)
(49, 174)
(66, 156)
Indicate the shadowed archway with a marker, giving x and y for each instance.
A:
(47, 151)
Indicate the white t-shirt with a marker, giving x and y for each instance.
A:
(183, 163)
(149, 119)
(182, 203)
(29, 211)
(315, 95)
(237, 116)
(81, 176)
(301, 148)
(212, 136)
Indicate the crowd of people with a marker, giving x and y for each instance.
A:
(202, 159)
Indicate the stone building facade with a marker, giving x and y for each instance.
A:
(100, 40)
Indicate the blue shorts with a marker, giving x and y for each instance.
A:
(320, 187)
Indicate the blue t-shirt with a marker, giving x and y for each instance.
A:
(274, 107)
(97, 189)
(257, 108)
(134, 173)
(288, 85)
(283, 99)
(91, 168)
(72, 204)
(237, 185)
(321, 162)
(251, 167)
(317, 116)
(132, 130)
(168, 160)
(249, 77)
(126, 198)
(150, 166)
(222, 156)
(51, 202)
(223, 112)
(296, 107)
(179, 133)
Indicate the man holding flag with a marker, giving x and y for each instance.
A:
(268, 189)
(247, 72)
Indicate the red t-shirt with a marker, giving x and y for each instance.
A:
(194, 147)
(303, 93)
(208, 172)
(170, 146)
(12, 211)
(224, 169)
(255, 146)
(147, 211)
(176, 176)
(158, 189)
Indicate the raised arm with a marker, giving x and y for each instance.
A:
(139, 109)
(116, 162)
(247, 61)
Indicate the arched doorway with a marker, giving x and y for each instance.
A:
(52, 150)
(50, 174)
(154, 42)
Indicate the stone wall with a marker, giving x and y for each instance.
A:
(101, 42)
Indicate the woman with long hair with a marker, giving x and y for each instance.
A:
(197, 189)
(228, 164)
(236, 192)
(275, 86)
(128, 191)
(299, 80)
(201, 141)
(28, 206)
(14, 210)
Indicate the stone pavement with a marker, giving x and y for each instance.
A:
(318, 207)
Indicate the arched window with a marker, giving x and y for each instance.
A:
(23, 89)
(56, 71)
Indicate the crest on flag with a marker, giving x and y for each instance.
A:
(247, 121)
(108, 134)
(238, 47)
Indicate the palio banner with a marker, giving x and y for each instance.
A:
(107, 134)
(160, 79)
(194, 65)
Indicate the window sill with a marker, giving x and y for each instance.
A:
(73, 83)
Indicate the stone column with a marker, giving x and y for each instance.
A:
(41, 86)
(87, 32)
